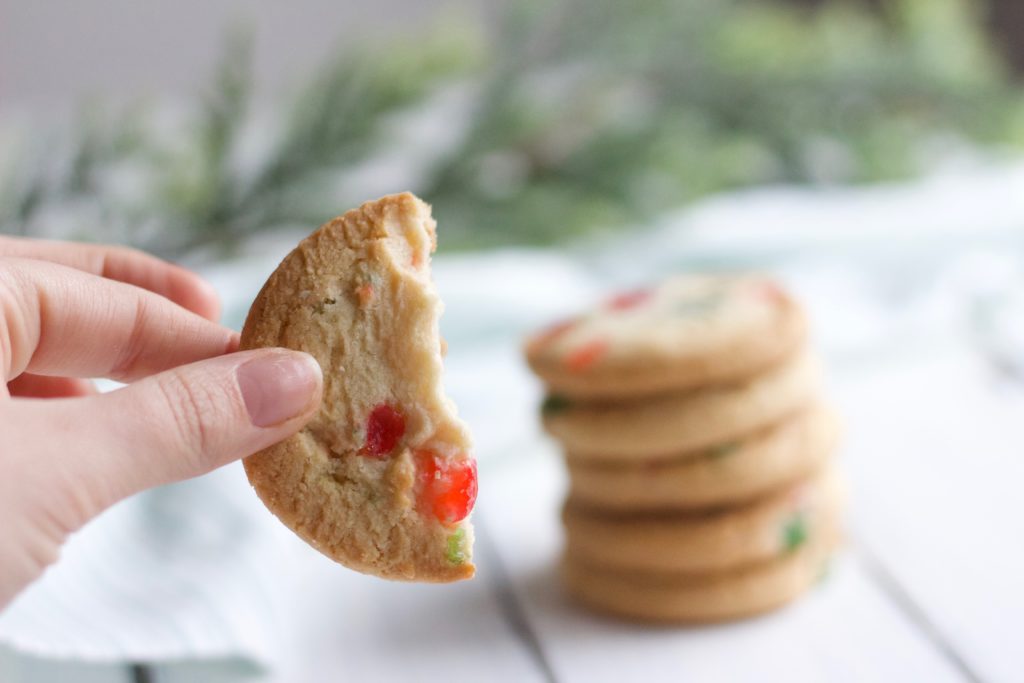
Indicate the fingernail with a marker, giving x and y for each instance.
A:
(278, 386)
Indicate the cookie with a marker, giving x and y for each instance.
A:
(700, 598)
(706, 541)
(381, 479)
(687, 332)
(661, 427)
(726, 473)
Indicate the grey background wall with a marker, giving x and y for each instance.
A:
(53, 51)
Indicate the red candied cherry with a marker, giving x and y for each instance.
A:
(585, 356)
(384, 427)
(768, 291)
(628, 300)
(551, 333)
(365, 294)
(448, 487)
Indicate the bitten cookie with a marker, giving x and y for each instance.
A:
(726, 473)
(686, 332)
(381, 479)
(664, 426)
(709, 541)
(700, 598)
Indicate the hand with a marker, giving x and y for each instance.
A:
(193, 403)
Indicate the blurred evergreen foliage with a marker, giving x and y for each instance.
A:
(576, 116)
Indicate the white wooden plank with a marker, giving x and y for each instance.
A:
(845, 630)
(935, 457)
(231, 670)
(21, 668)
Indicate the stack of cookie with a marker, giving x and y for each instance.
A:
(698, 448)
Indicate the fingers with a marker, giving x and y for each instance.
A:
(124, 265)
(69, 459)
(60, 321)
(28, 385)
(178, 424)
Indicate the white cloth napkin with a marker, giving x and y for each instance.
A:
(181, 572)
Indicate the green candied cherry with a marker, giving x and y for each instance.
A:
(455, 549)
(723, 449)
(794, 532)
(554, 403)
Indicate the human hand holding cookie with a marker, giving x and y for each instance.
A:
(379, 475)
(192, 403)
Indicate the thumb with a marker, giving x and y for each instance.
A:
(195, 418)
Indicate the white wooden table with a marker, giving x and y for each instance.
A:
(928, 587)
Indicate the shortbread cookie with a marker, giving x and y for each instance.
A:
(700, 598)
(726, 473)
(664, 426)
(381, 479)
(687, 332)
(710, 541)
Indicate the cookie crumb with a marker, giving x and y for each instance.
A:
(320, 306)
(365, 295)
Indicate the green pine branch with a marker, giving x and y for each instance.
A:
(585, 115)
